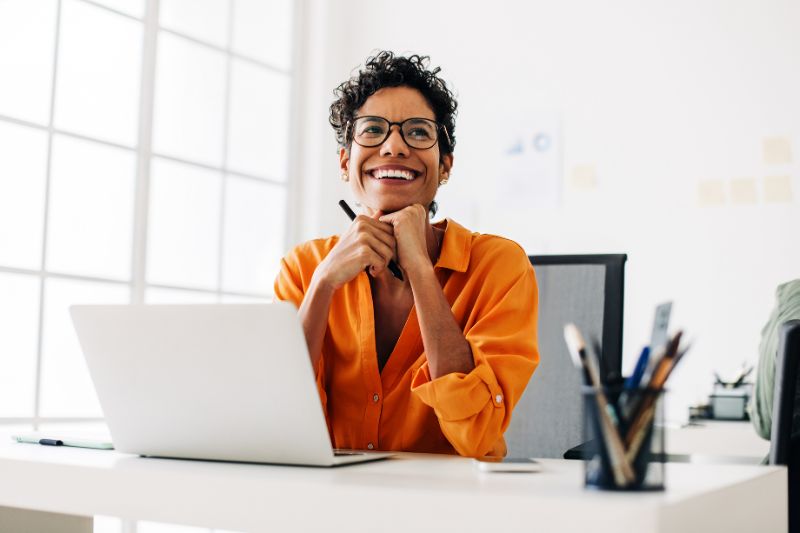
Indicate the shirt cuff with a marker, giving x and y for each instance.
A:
(457, 396)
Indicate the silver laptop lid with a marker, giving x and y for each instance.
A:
(224, 382)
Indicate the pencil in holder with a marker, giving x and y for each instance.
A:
(627, 431)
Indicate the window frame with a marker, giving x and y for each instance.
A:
(144, 155)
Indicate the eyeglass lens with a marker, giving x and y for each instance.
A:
(418, 133)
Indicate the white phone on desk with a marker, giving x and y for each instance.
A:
(507, 464)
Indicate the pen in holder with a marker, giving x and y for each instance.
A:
(625, 426)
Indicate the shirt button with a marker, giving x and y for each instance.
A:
(498, 398)
(375, 398)
(370, 446)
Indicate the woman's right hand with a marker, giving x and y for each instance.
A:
(367, 243)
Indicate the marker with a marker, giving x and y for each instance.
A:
(635, 378)
(392, 266)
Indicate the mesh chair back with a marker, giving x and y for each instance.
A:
(586, 290)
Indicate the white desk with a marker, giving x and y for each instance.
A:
(718, 441)
(408, 493)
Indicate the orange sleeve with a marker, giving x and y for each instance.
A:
(289, 287)
(474, 409)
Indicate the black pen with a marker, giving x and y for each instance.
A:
(392, 266)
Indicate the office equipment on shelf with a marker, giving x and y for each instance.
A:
(730, 403)
(626, 440)
(728, 399)
(784, 445)
(587, 290)
(223, 382)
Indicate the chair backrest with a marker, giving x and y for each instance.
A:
(587, 290)
(784, 446)
(783, 403)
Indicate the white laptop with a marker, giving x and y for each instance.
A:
(216, 382)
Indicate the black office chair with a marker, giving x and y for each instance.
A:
(587, 290)
(613, 268)
(784, 445)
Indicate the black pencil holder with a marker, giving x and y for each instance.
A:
(625, 437)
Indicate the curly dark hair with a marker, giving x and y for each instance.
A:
(388, 70)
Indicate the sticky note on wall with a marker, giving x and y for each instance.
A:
(743, 191)
(710, 193)
(777, 150)
(777, 189)
(583, 177)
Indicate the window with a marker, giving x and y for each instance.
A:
(143, 158)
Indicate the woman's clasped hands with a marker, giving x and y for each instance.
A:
(414, 236)
(371, 242)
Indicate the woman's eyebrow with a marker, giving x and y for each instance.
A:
(418, 119)
(370, 118)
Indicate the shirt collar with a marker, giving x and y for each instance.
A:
(456, 246)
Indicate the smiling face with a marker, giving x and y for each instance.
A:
(392, 175)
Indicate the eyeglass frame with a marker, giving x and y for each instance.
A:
(400, 129)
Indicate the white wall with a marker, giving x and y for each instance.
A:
(657, 97)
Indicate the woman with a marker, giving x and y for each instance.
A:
(434, 362)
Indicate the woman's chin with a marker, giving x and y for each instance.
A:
(390, 204)
(387, 207)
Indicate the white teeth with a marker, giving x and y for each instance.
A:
(393, 173)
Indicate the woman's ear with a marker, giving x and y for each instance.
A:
(445, 166)
(344, 164)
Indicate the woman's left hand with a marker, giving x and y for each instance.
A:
(412, 232)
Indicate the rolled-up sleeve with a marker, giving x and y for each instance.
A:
(474, 409)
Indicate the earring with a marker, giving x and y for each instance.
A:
(345, 177)
(444, 180)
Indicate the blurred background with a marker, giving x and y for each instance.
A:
(173, 150)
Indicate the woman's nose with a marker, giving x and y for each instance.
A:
(394, 143)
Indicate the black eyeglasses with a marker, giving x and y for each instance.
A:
(419, 133)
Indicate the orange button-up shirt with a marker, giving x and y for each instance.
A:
(491, 287)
